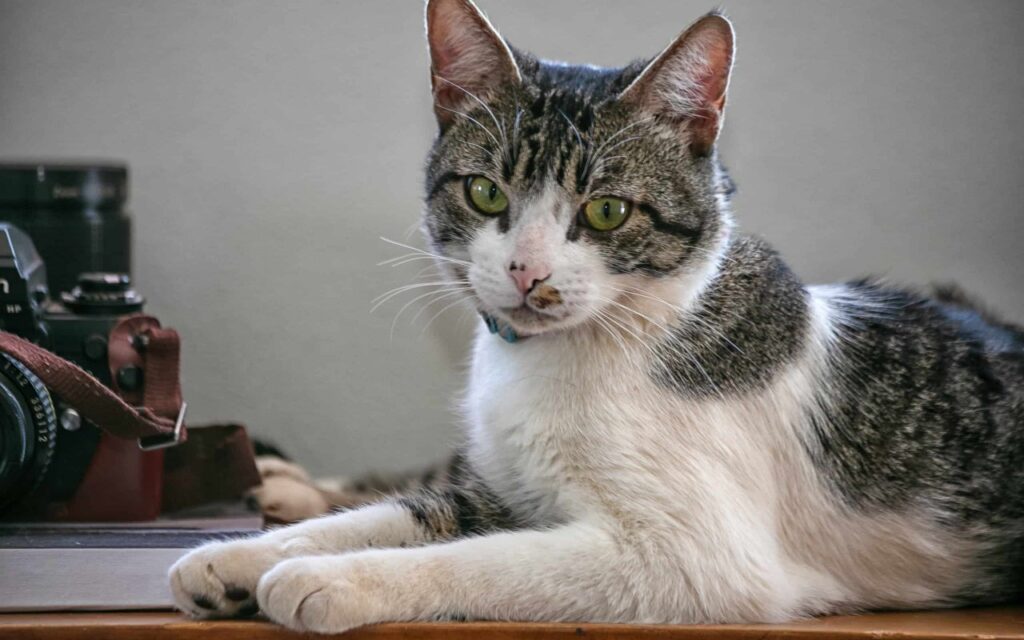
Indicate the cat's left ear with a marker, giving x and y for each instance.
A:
(687, 82)
(468, 59)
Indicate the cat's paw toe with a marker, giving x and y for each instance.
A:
(316, 594)
(219, 579)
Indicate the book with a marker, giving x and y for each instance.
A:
(105, 566)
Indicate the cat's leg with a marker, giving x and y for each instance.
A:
(219, 579)
(574, 572)
(595, 571)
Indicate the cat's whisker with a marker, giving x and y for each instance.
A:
(439, 298)
(595, 156)
(624, 326)
(585, 148)
(438, 314)
(599, 318)
(425, 252)
(695, 361)
(499, 126)
(425, 270)
(474, 121)
(413, 285)
(603, 327)
(600, 166)
(489, 152)
(638, 337)
(686, 315)
(449, 290)
(635, 123)
(600, 156)
(403, 260)
(575, 130)
(399, 259)
(473, 96)
(602, 318)
(515, 135)
(384, 297)
(506, 147)
(644, 294)
(619, 144)
(637, 313)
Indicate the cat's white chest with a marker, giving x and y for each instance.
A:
(545, 420)
(559, 428)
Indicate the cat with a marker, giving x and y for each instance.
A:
(664, 425)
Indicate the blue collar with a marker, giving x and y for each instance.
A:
(507, 333)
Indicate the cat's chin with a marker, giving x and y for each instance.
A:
(528, 321)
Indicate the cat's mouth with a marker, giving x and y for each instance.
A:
(528, 320)
(541, 311)
(525, 314)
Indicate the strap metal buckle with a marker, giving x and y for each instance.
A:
(165, 440)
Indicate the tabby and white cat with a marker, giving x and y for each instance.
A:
(668, 426)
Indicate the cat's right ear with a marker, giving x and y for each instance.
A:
(468, 59)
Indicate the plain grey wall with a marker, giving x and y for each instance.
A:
(271, 144)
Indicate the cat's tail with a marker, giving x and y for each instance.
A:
(953, 295)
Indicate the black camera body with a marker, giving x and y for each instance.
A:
(74, 326)
(49, 451)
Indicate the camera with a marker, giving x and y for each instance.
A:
(55, 464)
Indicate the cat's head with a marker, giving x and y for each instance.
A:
(557, 192)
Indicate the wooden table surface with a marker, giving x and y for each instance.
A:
(977, 624)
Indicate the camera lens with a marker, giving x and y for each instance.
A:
(28, 430)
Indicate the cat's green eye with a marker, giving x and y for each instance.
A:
(605, 214)
(485, 196)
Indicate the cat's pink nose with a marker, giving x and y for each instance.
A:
(527, 277)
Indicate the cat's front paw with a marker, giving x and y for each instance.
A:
(320, 594)
(218, 580)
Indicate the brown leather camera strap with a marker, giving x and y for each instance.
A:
(159, 409)
(139, 341)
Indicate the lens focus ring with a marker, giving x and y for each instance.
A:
(28, 430)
